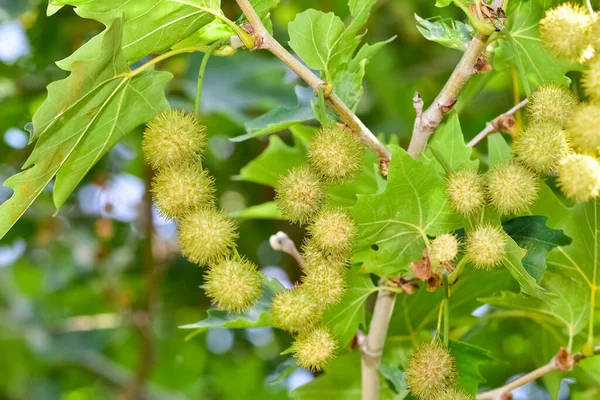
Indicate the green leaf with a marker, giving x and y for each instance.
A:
(395, 377)
(450, 143)
(394, 224)
(498, 149)
(532, 234)
(443, 3)
(151, 26)
(266, 210)
(468, 360)
(264, 7)
(346, 317)
(83, 117)
(452, 34)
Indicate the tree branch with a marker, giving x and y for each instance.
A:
(264, 40)
(498, 124)
(427, 122)
(282, 242)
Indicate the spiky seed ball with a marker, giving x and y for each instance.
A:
(552, 103)
(566, 31)
(296, 310)
(453, 394)
(579, 177)
(313, 256)
(430, 371)
(541, 146)
(173, 137)
(234, 285)
(325, 283)
(591, 76)
(206, 234)
(486, 246)
(465, 191)
(333, 230)
(336, 154)
(443, 248)
(314, 349)
(583, 128)
(179, 188)
(299, 194)
(511, 187)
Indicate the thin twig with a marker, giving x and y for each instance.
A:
(427, 122)
(499, 123)
(282, 242)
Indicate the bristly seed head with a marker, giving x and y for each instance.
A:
(443, 249)
(486, 247)
(299, 194)
(173, 137)
(551, 103)
(579, 177)
(296, 310)
(541, 146)
(583, 128)
(511, 187)
(314, 349)
(325, 283)
(453, 394)
(333, 230)
(465, 191)
(336, 154)
(431, 371)
(566, 30)
(313, 256)
(234, 285)
(591, 75)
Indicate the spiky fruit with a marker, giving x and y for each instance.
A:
(314, 255)
(296, 310)
(465, 191)
(443, 249)
(333, 230)
(579, 177)
(314, 348)
(541, 146)
(336, 154)
(453, 394)
(566, 30)
(173, 137)
(179, 188)
(583, 128)
(551, 103)
(299, 194)
(430, 371)
(206, 234)
(511, 187)
(486, 247)
(325, 283)
(234, 285)
(591, 77)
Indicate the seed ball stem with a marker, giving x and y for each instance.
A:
(314, 349)
(234, 285)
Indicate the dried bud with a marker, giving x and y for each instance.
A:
(443, 249)
(579, 177)
(591, 76)
(453, 394)
(314, 349)
(465, 191)
(486, 247)
(551, 103)
(180, 188)
(333, 230)
(173, 137)
(511, 187)
(541, 146)
(299, 194)
(431, 371)
(583, 128)
(566, 30)
(325, 283)
(296, 310)
(206, 234)
(234, 285)
(336, 154)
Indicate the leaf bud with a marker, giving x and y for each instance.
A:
(234, 285)
(465, 191)
(541, 146)
(579, 177)
(314, 349)
(296, 310)
(431, 370)
(336, 154)
(486, 247)
(299, 194)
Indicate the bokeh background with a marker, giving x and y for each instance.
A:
(91, 299)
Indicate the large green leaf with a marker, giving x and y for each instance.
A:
(468, 360)
(451, 34)
(83, 117)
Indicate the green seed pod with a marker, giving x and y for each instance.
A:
(486, 247)
(314, 349)
(325, 283)
(336, 154)
(296, 310)
(443, 249)
(180, 188)
(579, 177)
(551, 103)
(173, 137)
(430, 371)
(591, 77)
(511, 187)
(299, 194)
(234, 285)
(465, 191)
(582, 129)
(206, 235)
(333, 230)
(313, 256)
(453, 394)
(541, 146)
(566, 30)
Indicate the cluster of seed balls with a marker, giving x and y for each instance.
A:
(335, 157)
